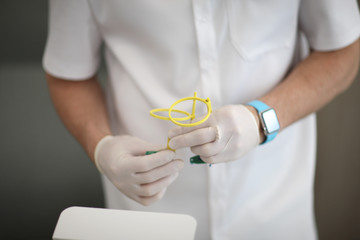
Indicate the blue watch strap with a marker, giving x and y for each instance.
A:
(261, 107)
(269, 137)
(258, 105)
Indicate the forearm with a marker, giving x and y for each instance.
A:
(313, 83)
(81, 107)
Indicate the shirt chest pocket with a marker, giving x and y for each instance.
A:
(258, 27)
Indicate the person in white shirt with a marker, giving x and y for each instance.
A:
(288, 58)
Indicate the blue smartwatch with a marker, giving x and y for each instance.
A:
(269, 121)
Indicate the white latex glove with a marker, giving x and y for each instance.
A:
(229, 133)
(143, 178)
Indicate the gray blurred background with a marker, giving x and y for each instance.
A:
(43, 170)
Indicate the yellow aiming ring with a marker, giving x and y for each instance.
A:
(192, 116)
(188, 115)
(152, 113)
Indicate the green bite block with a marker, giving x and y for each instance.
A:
(150, 152)
(196, 160)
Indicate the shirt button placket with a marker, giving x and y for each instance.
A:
(207, 49)
(207, 52)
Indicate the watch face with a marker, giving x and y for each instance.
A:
(270, 121)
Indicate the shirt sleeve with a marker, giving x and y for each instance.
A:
(72, 49)
(329, 24)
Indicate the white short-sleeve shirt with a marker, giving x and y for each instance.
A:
(230, 51)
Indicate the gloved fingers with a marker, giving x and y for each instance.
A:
(146, 201)
(183, 130)
(194, 138)
(209, 149)
(139, 149)
(223, 153)
(147, 147)
(159, 172)
(213, 159)
(151, 189)
(221, 157)
(147, 162)
(133, 145)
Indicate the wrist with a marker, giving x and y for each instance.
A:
(98, 151)
(92, 139)
(256, 116)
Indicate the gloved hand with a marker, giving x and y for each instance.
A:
(143, 178)
(229, 133)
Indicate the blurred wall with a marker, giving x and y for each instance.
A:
(337, 186)
(43, 169)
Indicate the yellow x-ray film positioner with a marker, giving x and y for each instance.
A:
(178, 120)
